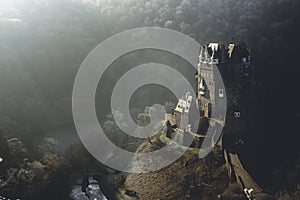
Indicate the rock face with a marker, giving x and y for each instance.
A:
(187, 178)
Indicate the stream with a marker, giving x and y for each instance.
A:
(93, 191)
(68, 136)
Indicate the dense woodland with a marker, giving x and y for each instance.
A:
(43, 43)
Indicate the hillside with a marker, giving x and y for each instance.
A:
(187, 178)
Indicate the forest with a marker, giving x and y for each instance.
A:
(43, 44)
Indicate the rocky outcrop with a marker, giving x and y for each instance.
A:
(187, 178)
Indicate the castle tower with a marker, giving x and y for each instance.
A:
(206, 84)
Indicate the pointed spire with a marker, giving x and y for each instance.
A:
(206, 53)
(201, 56)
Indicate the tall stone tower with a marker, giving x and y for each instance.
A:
(205, 77)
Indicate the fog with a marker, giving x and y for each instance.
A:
(43, 43)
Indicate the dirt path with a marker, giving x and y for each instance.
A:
(243, 175)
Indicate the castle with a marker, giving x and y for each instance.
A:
(234, 64)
